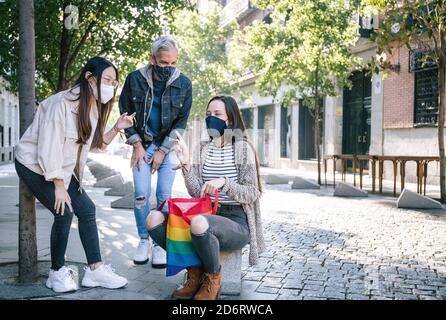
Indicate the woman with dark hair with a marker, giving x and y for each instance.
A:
(227, 163)
(50, 160)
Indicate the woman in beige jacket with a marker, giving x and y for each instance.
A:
(50, 160)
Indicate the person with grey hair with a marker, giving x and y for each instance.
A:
(161, 96)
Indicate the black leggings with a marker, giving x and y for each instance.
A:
(83, 208)
(228, 231)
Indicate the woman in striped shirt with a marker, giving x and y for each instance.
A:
(227, 163)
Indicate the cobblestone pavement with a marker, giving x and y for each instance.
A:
(322, 247)
(318, 247)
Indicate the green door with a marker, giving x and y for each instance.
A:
(357, 111)
(307, 145)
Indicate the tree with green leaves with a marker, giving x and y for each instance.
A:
(419, 25)
(306, 47)
(203, 58)
(43, 47)
(70, 32)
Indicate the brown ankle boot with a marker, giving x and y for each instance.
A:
(191, 285)
(210, 287)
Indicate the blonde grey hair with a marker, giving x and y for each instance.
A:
(163, 43)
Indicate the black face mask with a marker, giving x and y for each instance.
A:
(164, 73)
(216, 126)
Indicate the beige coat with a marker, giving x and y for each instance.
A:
(48, 147)
(245, 191)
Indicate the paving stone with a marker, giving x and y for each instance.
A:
(312, 287)
(276, 179)
(403, 290)
(120, 190)
(405, 296)
(345, 190)
(301, 183)
(311, 293)
(424, 292)
(289, 294)
(410, 199)
(277, 285)
(424, 287)
(109, 182)
(356, 297)
(293, 285)
(331, 294)
(424, 297)
(264, 289)
(375, 297)
(276, 275)
(128, 202)
(314, 282)
(100, 171)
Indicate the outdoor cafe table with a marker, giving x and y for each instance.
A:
(421, 168)
(354, 158)
(422, 165)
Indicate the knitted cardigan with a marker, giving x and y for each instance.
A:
(245, 191)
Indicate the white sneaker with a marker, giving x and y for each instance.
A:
(103, 276)
(62, 280)
(158, 257)
(141, 255)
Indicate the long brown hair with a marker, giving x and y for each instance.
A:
(235, 122)
(96, 67)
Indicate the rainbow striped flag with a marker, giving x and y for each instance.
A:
(181, 253)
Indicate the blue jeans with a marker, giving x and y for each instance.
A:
(142, 180)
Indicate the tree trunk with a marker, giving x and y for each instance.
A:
(441, 93)
(316, 122)
(62, 82)
(27, 101)
(317, 115)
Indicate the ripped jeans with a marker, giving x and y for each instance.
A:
(142, 180)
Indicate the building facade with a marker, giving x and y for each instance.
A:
(377, 116)
(9, 123)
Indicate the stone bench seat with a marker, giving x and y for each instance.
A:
(231, 272)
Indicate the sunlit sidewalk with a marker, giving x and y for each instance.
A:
(319, 246)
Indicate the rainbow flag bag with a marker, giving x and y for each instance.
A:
(181, 253)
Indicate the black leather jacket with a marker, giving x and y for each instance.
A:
(176, 102)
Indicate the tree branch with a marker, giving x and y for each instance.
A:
(85, 36)
(48, 78)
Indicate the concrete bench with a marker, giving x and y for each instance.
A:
(231, 272)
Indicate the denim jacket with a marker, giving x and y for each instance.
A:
(137, 96)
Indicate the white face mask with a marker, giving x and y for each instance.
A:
(107, 93)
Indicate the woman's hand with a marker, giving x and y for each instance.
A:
(182, 152)
(125, 121)
(62, 199)
(211, 186)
